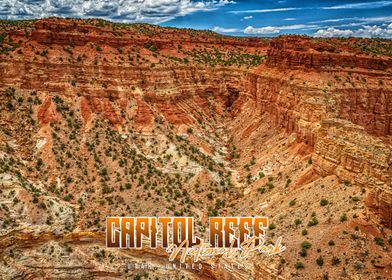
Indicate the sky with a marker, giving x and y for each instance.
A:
(321, 18)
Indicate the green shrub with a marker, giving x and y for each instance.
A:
(303, 253)
(261, 190)
(335, 260)
(343, 218)
(320, 261)
(306, 245)
(313, 222)
(379, 241)
(355, 198)
(299, 265)
(272, 226)
(323, 202)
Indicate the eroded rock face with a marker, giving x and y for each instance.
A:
(356, 158)
(357, 155)
(299, 52)
(370, 108)
(63, 32)
(379, 201)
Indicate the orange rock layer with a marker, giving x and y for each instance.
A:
(343, 123)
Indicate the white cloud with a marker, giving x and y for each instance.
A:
(333, 32)
(265, 10)
(261, 30)
(375, 19)
(366, 31)
(276, 29)
(152, 11)
(289, 19)
(359, 19)
(331, 20)
(297, 26)
(375, 31)
(366, 5)
(248, 17)
(225, 30)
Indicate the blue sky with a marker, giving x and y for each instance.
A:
(323, 18)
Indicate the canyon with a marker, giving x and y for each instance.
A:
(105, 119)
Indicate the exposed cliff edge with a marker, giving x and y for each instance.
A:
(289, 52)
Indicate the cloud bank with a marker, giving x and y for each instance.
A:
(366, 31)
(343, 19)
(366, 5)
(275, 29)
(265, 10)
(225, 30)
(151, 11)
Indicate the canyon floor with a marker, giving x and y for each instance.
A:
(104, 119)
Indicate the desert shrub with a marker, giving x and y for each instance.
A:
(379, 241)
(355, 198)
(272, 226)
(320, 261)
(313, 222)
(323, 202)
(306, 245)
(335, 260)
(343, 218)
(303, 253)
(299, 265)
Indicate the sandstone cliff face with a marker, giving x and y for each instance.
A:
(294, 52)
(168, 88)
(64, 33)
(356, 158)
(368, 107)
(293, 107)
